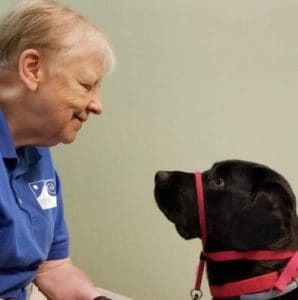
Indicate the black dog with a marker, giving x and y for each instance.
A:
(248, 207)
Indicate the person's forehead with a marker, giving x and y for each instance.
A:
(88, 46)
(89, 64)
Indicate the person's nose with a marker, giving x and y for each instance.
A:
(95, 105)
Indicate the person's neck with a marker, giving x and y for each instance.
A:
(10, 86)
(11, 97)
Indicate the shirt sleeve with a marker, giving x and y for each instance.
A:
(60, 245)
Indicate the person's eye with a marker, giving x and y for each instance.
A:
(87, 86)
(217, 183)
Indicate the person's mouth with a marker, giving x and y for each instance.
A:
(81, 119)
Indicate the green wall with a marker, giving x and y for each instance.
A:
(197, 81)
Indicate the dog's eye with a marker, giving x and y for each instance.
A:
(216, 184)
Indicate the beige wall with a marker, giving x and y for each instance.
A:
(197, 81)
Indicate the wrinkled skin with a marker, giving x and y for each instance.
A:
(248, 207)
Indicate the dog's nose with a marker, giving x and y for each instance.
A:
(161, 177)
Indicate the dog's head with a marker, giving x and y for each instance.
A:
(248, 206)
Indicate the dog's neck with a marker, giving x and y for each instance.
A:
(226, 272)
(222, 272)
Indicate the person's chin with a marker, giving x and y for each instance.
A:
(67, 136)
(68, 139)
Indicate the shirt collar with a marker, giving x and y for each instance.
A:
(7, 147)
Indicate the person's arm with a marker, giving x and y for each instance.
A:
(57, 277)
(61, 280)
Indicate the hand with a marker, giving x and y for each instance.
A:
(61, 280)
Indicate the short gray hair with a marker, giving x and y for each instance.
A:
(50, 27)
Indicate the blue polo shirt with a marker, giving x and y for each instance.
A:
(32, 226)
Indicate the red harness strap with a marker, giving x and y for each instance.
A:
(259, 283)
(249, 255)
(201, 207)
(248, 286)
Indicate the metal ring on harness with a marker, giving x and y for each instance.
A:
(196, 294)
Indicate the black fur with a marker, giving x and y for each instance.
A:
(248, 207)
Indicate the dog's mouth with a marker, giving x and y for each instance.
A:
(174, 204)
(184, 232)
(173, 216)
(165, 202)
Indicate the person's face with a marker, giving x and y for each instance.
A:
(65, 99)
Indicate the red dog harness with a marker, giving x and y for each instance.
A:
(277, 281)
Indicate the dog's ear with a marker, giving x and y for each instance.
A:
(265, 220)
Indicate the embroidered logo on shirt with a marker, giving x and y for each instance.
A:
(45, 193)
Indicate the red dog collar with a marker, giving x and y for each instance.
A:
(269, 281)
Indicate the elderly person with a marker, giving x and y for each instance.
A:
(52, 61)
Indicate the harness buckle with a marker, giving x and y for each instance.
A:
(196, 294)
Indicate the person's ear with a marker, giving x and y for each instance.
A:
(31, 68)
(265, 220)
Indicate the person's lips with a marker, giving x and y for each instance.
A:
(81, 119)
